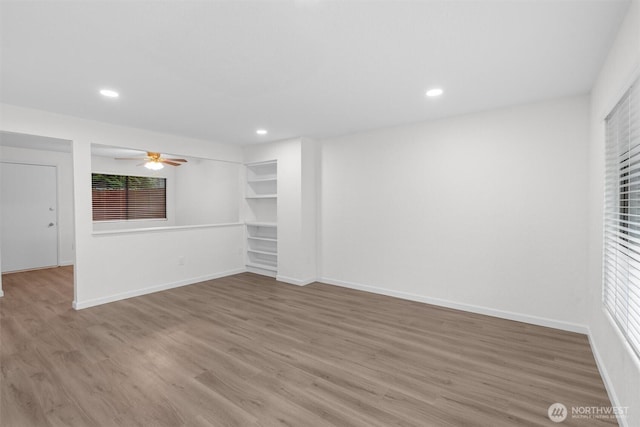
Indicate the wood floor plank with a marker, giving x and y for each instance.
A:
(247, 350)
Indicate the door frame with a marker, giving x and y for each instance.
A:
(57, 171)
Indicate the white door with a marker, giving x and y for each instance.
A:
(28, 216)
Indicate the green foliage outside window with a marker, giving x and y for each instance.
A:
(117, 182)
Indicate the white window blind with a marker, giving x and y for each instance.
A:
(123, 197)
(621, 290)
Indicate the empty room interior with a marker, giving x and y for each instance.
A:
(320, 213)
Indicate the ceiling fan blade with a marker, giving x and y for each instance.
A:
(177, 160)
(169, 162)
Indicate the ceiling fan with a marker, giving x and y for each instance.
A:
(155, 161)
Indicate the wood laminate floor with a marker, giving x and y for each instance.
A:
(246, 350)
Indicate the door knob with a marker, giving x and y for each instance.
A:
(51, 224)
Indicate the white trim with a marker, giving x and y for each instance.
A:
(79, 305)
(168, 228)
(534, 320)
(293, 281)
(1, 293)
(66, 263)
(28, 162)
(608, 384)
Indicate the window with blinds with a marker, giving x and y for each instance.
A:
(123, 197)
(621, 290)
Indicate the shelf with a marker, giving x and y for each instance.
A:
(266, 239)
(251, 181)
(262, 266)
(267, 163)
(263, 196)
(262, 235)
(255, 251)
(262, 171)
(262, 224)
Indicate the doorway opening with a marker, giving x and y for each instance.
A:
(36, 212)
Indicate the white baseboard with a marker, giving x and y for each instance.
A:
(260, 271)
(535, 320)
(79, 305)
(1, 293)
(608, 384)
(65, 263)
(293, 281)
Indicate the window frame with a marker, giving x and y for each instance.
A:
(127, 207)
(620, 296)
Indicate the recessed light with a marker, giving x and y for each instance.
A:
(261, 131)
(109, 93)
(434, 92)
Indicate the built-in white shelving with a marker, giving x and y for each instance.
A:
(263, 196)
(262, 231)
(254, 180)
(266, 239)
(261, 224)
(255, 251)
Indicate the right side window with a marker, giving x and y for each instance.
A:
(621, 264)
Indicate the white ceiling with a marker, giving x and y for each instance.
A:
(45, 143)
(218, 70)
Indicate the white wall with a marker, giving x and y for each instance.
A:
(619, 367)
(296, 205)
(484, 212)
(62, 161)
(310, 203)
(114, 266)
(138, 263)
(207, 192)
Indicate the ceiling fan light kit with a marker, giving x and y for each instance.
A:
(153, 165)
(155, 161)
